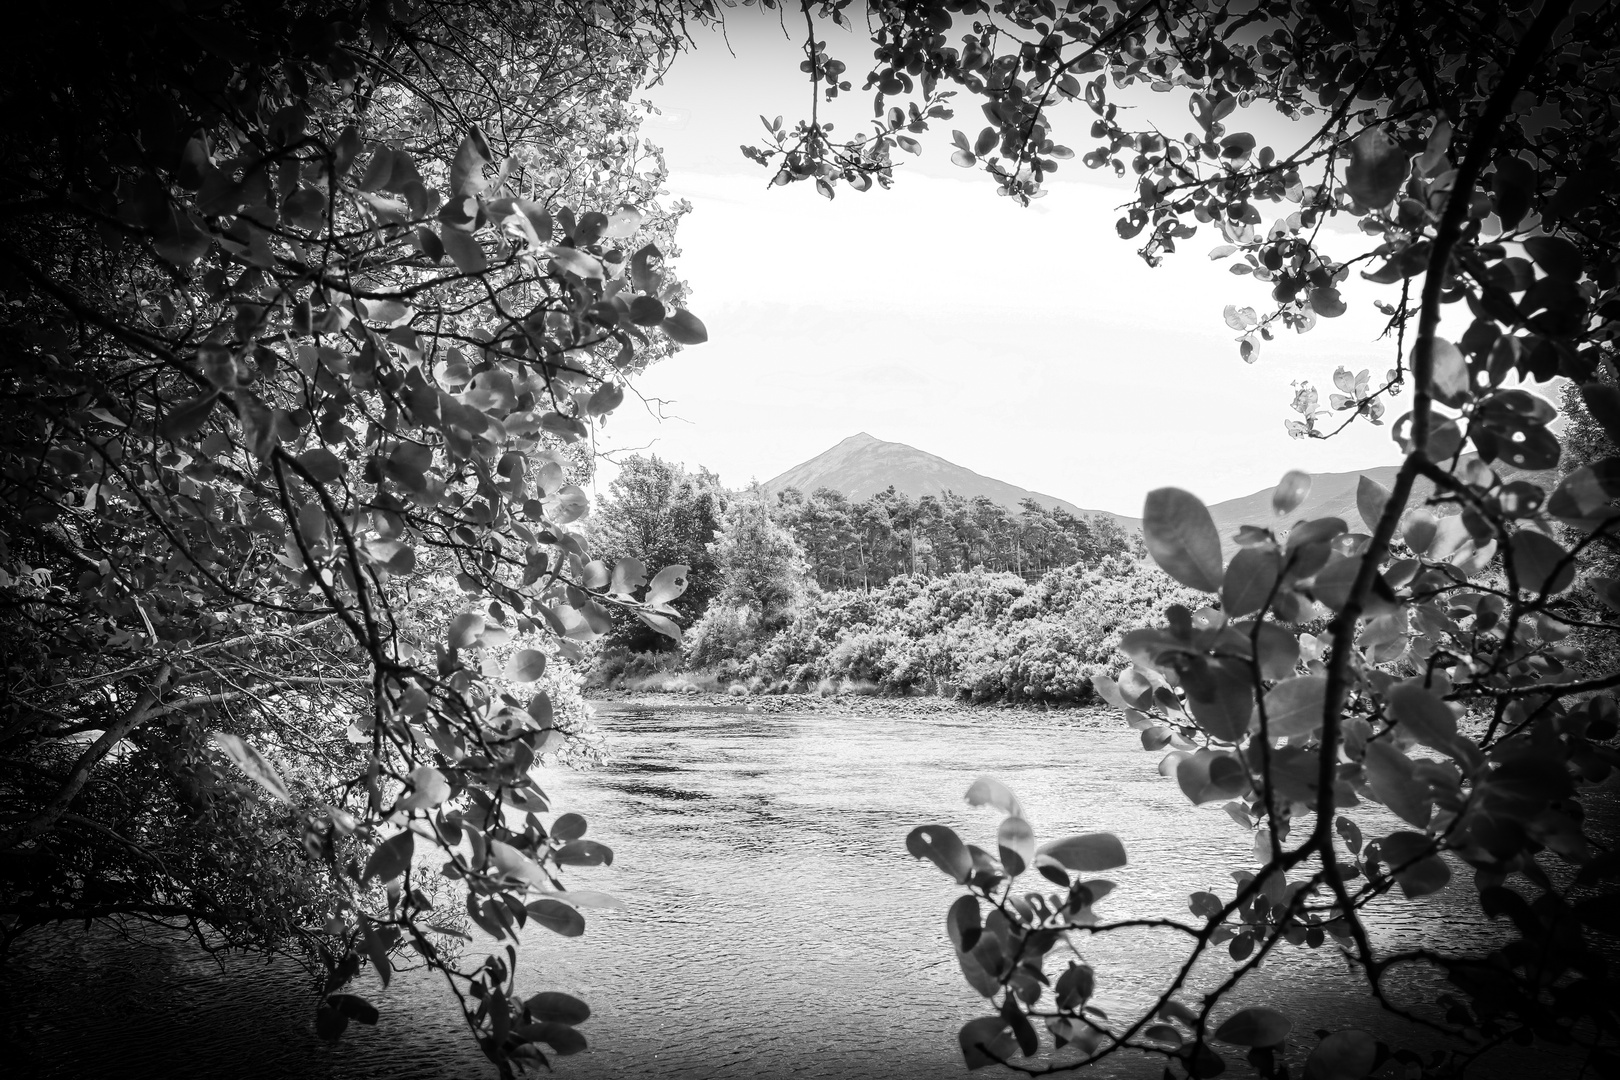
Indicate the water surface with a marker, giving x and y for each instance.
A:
(774, 927)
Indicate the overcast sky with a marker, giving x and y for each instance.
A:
(1028, 344)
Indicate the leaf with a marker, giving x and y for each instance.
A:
(605, 399)
(1449, 377)
(560, 1037)
(526, 665)
(184, 419)
(1350, 1054)
(685, 327)
(322, 464)
(940, 845)
(1250, 580)
(1394, 782)
(647, 310)
(1557, 256)
(1371, 499)
(1417, 869)
(985, 1041)
(962, 924)
(1377, 170)
(1295, 706)
(1426, 718)
(623, 222)
(1015, 841)
(464, 630)
(556, 916)
(464, 250)
(1211, 775)
(467, 168)
(592, 899)
(662, 625)
(429, 790)
(1182, 538)
(1254, 1026)
(668, 584)
(1221, 699)
(583, 853)
(1540, 562)
(568, 827)
(558, 1007)
(392, 857)
(1327, 303)
(1087, 853)
(567, 260)
(629, 574)
(988, 791)
(253, 763)
(1290, 492)
(354, 1008)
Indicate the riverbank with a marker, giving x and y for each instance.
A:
(858, 705)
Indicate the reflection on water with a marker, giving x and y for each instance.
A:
(774, 926)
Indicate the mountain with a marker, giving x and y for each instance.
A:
(1334, 495)
(861, 466)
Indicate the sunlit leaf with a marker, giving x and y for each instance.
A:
(668, 584)
(250, 761)
(526, 665)
(988, 791)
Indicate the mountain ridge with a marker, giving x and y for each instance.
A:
(862, 465)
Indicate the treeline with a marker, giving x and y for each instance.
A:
(938, 594)
(863, 545)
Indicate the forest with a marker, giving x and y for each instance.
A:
(312, 312)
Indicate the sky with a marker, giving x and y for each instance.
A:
(1028, 344)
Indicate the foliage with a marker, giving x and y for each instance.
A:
(986, 636)
(761, 566)
(868, 543)
(660, 514)
(1474, 146)
(309, 311)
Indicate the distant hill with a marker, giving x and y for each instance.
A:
(1334, 495)
(861, 466)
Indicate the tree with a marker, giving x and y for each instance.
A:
(661, 515)
(309, 308)
(1474, 147)
(761, 566)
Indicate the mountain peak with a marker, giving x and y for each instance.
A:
(862, 465)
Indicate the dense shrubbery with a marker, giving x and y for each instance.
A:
(978, 634)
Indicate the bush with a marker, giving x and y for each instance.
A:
(980, 635)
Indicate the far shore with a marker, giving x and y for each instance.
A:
(842, 704)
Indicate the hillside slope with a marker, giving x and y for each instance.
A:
(861, 466)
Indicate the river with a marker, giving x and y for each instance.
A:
(774, 924)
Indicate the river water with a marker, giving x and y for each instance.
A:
(774, 924)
